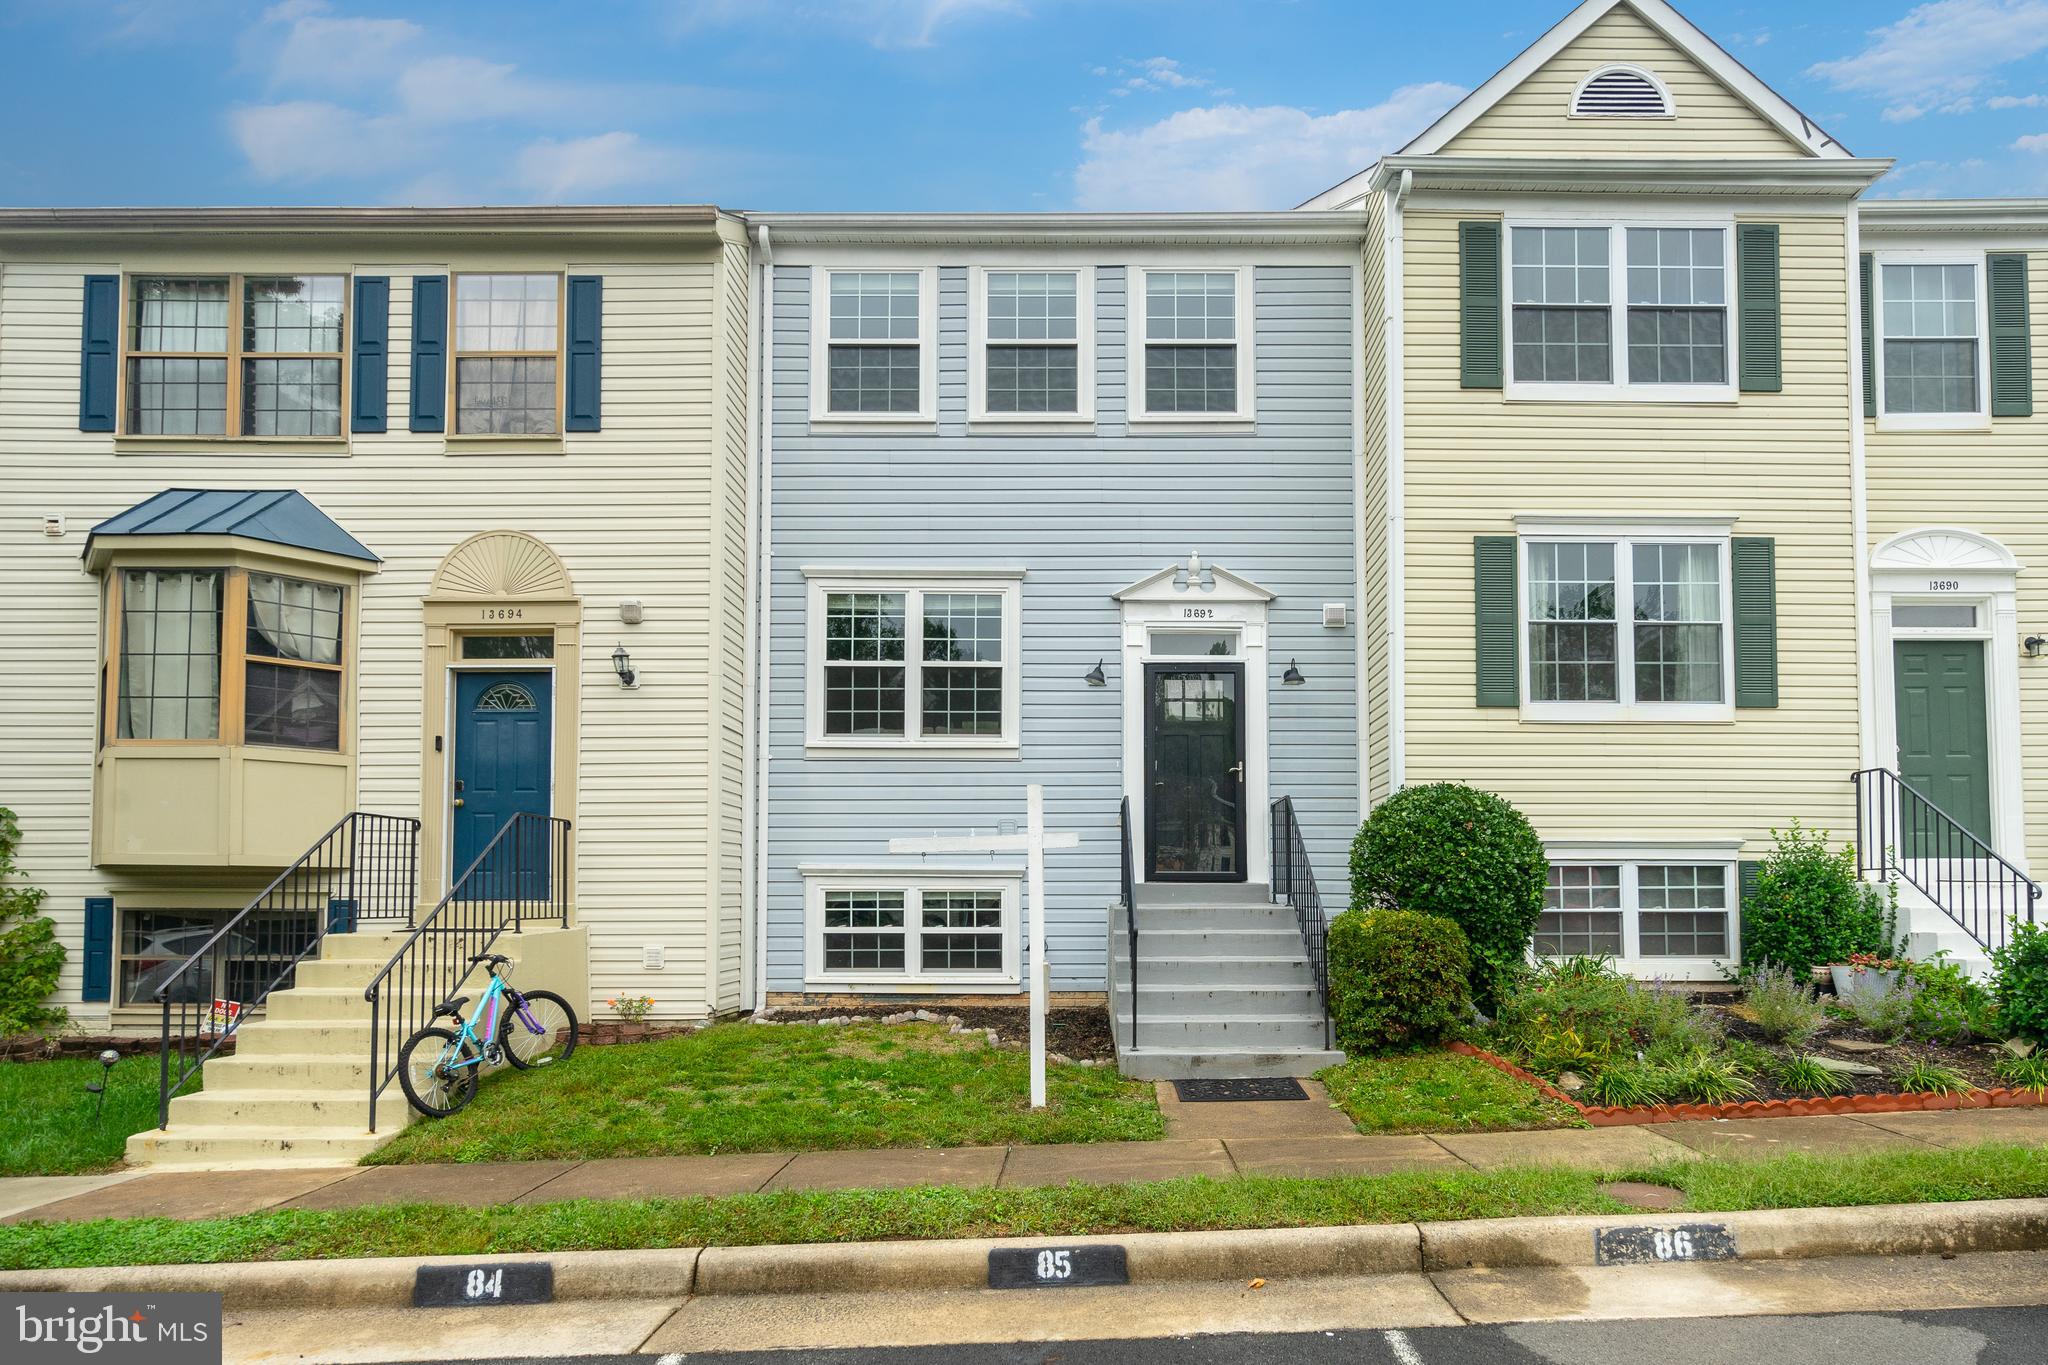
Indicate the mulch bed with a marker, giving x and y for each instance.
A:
(1972, 1061)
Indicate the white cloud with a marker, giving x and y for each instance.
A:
(2032, 142)
(1939, 53)
(1231, 156)
(2016, 102)
(881, 23)
(311, 139)
(587, 166)
(317, 49)
(467, 89)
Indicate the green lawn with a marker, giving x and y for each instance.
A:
(1439, 1092)
(755, 1088)
(47, 1124)
(1795, 1181)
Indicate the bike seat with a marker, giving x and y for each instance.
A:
(493, 958)
(451, 1006)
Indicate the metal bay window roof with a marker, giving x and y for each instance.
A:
(279, 516)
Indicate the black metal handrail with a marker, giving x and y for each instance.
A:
(1899, 832)
(1130, 893)
(521, 876)
(365, 867)
(1294, 881)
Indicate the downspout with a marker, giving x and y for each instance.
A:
(758, 505)
(1393, 347)
(1859, 498)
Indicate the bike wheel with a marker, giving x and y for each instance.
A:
(438, 1068)
(549, 1038)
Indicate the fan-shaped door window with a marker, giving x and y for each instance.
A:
(505, 697)
(1621, 92)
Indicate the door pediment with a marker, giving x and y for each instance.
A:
(1194, 581)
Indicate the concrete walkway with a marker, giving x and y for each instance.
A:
(1332, 1151)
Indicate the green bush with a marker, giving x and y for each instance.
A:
(1947, 1006)
(1809, 908)
(1786, 1007)
(30, 956)
(1452, 850)
(2021, 983)
(1579, 1014)
(1397, 978)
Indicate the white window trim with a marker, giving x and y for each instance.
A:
(913, 583)
(1624, 634)
(1618, 389)
(1670, 110)
(927, 343)
(1978, 420)
(1136, 345)
(1629, 857)
(913, 883)
(979, 342)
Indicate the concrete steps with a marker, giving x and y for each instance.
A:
(195, 1144)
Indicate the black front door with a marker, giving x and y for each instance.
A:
(1194, 764)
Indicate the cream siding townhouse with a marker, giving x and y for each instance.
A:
(438, 515)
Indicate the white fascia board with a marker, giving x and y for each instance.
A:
(1839, 178)
(1348, 193)
(1066, 229)
(1681, 33)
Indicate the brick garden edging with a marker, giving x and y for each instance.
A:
(1618, 1116)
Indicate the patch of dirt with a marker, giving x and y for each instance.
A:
(1079, 1032)
(1972, 1061)
(870, 1045)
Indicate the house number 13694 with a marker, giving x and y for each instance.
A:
(501, 613)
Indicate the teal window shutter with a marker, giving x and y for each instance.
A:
(1754, 574)
(429, 353)
(1758, 311)
(1479, 342)
(99, 355)
(97, 961)
(583, 404)
(1496, 629)
(1869, 336)
(370, 345)
(2012, 351)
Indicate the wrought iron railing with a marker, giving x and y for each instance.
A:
(520, 878)
(1130, 897)
(1899, 832)
(365, 868)
(1294, 881)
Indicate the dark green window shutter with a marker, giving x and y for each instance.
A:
(97, 961)
(370, 344)
(1746, 874)
(582, 411)
(1755, 581)
(1479, 346)
(99, 355)
(2012, 351)
(1756, 290)
(1493, 597)
(1869, 337)
(429, 352)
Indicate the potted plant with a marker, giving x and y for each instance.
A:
(1866, 976)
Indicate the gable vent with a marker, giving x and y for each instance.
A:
(1621, 92)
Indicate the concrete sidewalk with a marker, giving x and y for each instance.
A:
(1314, 1147)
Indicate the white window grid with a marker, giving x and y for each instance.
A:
(1196, 320)
(1892, 326)
(869, 319)
(915, 594)
(936, 909)
(988, 330)
(1626, 704)
(1604, 281)
(1677, 882)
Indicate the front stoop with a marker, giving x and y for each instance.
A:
(296, 1089)
(1224, 988)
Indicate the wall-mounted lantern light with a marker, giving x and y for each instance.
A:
(2034, 644)
(1094, 677)
(1293, 676)
(622, 664)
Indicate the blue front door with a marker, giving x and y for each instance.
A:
(504, 743)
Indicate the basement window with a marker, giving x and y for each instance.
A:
(934, 930)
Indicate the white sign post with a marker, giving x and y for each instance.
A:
(1034, 842)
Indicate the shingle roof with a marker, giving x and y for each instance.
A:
(281, 516)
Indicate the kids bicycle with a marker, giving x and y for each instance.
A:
(439, 1066)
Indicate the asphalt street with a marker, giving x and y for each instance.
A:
(2006, 1336)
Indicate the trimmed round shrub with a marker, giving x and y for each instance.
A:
(1451, 850)
(1397, 978)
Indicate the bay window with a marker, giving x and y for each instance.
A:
(1624, 625)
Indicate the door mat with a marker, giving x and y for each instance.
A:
(1238, 1091)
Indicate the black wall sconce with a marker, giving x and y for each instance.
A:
(1293, 677)
(2034, 644)
(622, 664)
(1094, 677)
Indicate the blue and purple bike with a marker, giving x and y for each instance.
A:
(439, 1066)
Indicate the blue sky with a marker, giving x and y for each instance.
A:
(897, 104)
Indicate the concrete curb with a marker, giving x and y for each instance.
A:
(1153, 1258)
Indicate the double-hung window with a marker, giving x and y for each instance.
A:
(1932, 326)
(1194, 345)
(508, 355)
(918, 662)
(935, 928)
(1620, 626)
(1034, 357)
(1649, 913)
(234, 355)
(872, 345)
(1619, 311)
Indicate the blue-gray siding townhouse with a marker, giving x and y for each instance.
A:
(1067, 500)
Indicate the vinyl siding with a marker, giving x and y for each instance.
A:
(1373, 476)
(634, 512)
(1779, 463)
(1086, 515)
(1534, 119)
(1994, 482)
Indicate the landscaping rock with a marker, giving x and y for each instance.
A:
(1855, 1045)
(2018, 1047)
(1571, 1082)
(1847, 1068)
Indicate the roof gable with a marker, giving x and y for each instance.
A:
(279, 516)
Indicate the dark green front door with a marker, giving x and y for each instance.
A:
(1194, 760)
(1944, 737)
